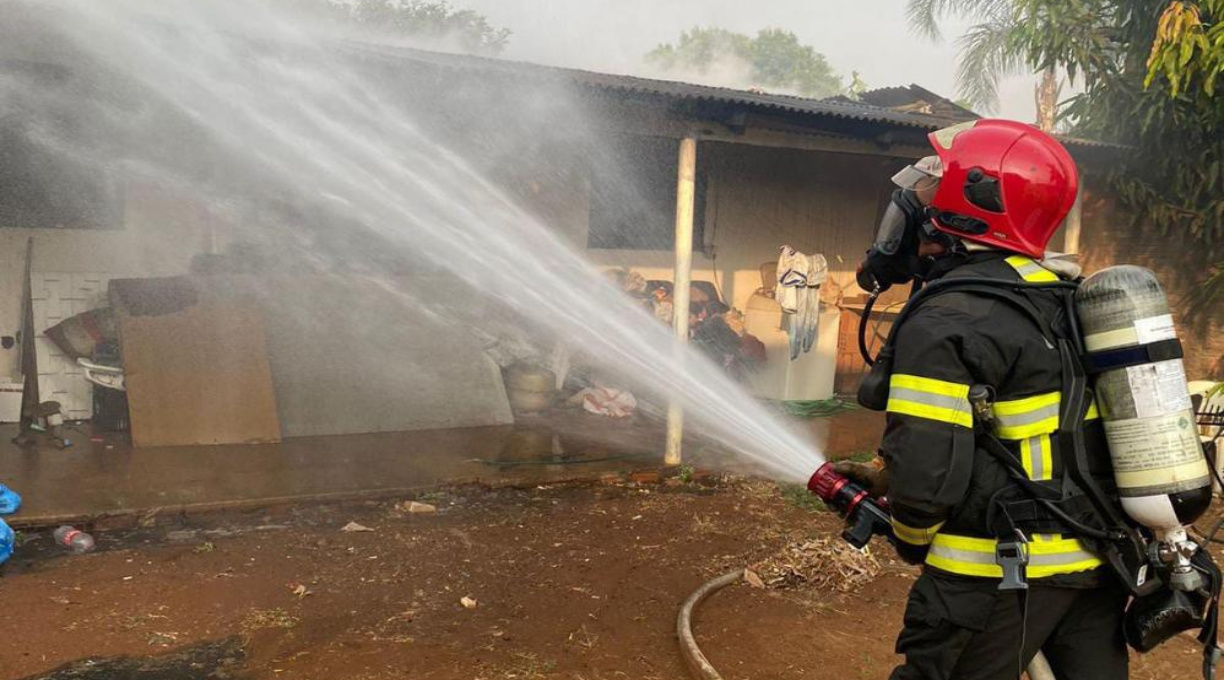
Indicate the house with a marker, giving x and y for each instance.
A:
(593, 156)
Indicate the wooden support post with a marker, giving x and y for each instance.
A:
(1073, 226)
(686, 191)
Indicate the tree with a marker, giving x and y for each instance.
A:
(1187, 62)
(990, 50)
(773, 59)
(1149, 81)
(1149, 73)
(423, 20)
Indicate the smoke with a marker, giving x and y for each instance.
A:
(418, 193)
(614, 35)
(724, 70)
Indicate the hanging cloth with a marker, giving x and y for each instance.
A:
(799, 279)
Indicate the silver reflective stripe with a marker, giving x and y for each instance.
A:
(1036, 470)
(971, 556)
(939, 400)
(1026, 270)
(1030, 417)
(1035, 559)
(1058, 559)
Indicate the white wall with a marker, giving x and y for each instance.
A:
(160, 235)
(758, 200)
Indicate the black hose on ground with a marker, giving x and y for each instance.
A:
(699, 666)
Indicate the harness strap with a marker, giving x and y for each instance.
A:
(1211, 622)
(1040, 495)
(1124, 357)
(1034, 517)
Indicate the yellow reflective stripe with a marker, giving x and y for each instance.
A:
(1037, 457)
(1028, 417)
(957, 417)
(964, 568)
(964, 555)
(1093, 412)
(931, 385)
(914, 535)
(1060, 556)
(929, 398)
(1033, 416)
(1049, 555)
(1028, 404)
(1030, 270)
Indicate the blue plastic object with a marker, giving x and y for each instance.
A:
(10, 501)
(7, 538)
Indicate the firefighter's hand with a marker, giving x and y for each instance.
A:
(872, 475)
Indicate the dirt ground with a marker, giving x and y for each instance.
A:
(580, 583)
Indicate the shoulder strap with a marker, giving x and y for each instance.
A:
(1007, 291)
(873, 390)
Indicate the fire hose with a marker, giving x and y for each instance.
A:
(696, 662)
(699, 666)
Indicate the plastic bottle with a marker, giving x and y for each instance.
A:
(74, 540)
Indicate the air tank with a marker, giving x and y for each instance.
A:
(1158, 460)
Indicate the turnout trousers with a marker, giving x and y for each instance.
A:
(964, 628)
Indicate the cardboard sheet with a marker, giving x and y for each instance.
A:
(196, 365)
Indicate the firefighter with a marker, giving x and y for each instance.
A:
(985, 206)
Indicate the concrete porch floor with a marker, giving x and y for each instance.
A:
(95, 480)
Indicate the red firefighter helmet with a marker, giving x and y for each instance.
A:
(1004, 184)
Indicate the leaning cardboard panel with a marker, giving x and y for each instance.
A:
(353, 356)
(195, 363)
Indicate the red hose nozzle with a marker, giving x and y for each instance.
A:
(826, 482)
(865, 517)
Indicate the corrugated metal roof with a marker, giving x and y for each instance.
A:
(916, 98)
(664, 88)
(833, 108)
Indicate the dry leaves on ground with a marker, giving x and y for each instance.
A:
(826, 563)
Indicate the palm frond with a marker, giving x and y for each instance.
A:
(988, 53)
(924, 16)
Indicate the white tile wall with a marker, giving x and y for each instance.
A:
(58, 296)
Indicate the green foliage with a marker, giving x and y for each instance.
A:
(433, 21)
(773, 59)
(798, 496)
(1147, 71)
(818, 408)
(989, 50)
(1188, 50)
(685, 475)
(861, 457)
(1149, 81)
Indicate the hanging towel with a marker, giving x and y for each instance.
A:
(799, 279)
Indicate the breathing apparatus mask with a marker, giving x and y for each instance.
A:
(893, 258)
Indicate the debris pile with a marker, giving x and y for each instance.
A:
(825, 563)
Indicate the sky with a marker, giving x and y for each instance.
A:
(868, 36)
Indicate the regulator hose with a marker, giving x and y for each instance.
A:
(699, 666)
(862, 329)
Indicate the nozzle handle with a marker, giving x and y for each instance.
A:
(867, 520)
